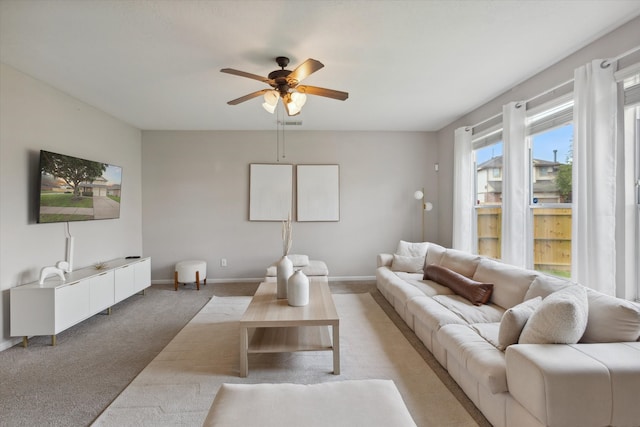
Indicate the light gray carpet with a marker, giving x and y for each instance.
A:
(72, 383)
(179, 385)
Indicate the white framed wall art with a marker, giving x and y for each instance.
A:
(270, 191)
(318, 192)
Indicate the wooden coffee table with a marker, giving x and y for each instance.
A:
(271, 325)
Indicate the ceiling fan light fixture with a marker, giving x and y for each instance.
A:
(270, 108)
(270, 100)
(294, 103)
(299, 98)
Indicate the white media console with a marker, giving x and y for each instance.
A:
(54, 306)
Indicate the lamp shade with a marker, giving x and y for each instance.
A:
(270, 100)
(299, 99)
(418, 195)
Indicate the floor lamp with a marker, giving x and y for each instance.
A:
(424, 206)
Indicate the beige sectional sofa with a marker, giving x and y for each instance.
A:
(592, 382)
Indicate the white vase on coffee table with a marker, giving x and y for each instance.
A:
(298, 289)
(284, 270)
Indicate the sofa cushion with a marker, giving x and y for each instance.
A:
(611, 319)
(468, 312)
(577, 384)
(544, 285)
(430, 288)
(434, 254)
(488, 331)
(417, 249)
(480, 358)
(513, 321)
(561, 318)
(431, 314)
(476, 292)
(409, 264)
(460, 262)
(510, 283)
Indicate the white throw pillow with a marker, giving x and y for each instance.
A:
(407, 264)
(412, 249)
(561, 318)
(298, 260)
(513, 321)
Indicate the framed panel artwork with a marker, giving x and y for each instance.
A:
(270, 192)
(318, 192)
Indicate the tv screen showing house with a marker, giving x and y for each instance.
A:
(74, 189)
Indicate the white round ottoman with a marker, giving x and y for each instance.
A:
(190, 271)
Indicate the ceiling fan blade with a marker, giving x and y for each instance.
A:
(304, 70)
(248, 97)
(320, 91)
(245, 74)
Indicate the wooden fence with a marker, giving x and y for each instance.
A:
(551, 237)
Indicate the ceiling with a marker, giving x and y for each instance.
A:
(407, 65)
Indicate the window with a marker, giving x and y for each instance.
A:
(488, 185)
(550, 131)
(632, 185)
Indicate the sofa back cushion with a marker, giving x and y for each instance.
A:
(476, 292)
(544, 285)
(510, 284)
(461, 262)
(611, 319)
(434, 254)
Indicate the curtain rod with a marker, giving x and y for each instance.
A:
(627, 53)
(617, 58)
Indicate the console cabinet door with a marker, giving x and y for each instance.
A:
(102, 292)
(124, 282)
(142, 275)
(71, 304)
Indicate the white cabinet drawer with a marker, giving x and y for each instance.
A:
(72, 304)
(102, 296)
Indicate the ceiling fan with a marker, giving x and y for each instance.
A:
(285, 84)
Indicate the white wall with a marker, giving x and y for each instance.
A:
(196, 198)
(35, 116)
(611, 45)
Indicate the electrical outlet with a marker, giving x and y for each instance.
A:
(223, 262)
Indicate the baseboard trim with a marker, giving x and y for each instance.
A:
(260, 279)
(9, 343)
(351, 278)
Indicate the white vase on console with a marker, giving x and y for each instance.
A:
(298, 289)
(284, 268)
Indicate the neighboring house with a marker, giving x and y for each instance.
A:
(98, 187)
(489, 181)
(113, 190)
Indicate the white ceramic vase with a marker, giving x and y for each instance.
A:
(284, 268)
(298, 289)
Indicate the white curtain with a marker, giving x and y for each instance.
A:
(463, 191)
(515, 186)
(594, 176)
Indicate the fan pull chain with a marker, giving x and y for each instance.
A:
(284, 143)
(277, 135)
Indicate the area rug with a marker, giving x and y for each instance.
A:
(179, 385)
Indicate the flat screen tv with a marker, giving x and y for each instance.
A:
(74, 189)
